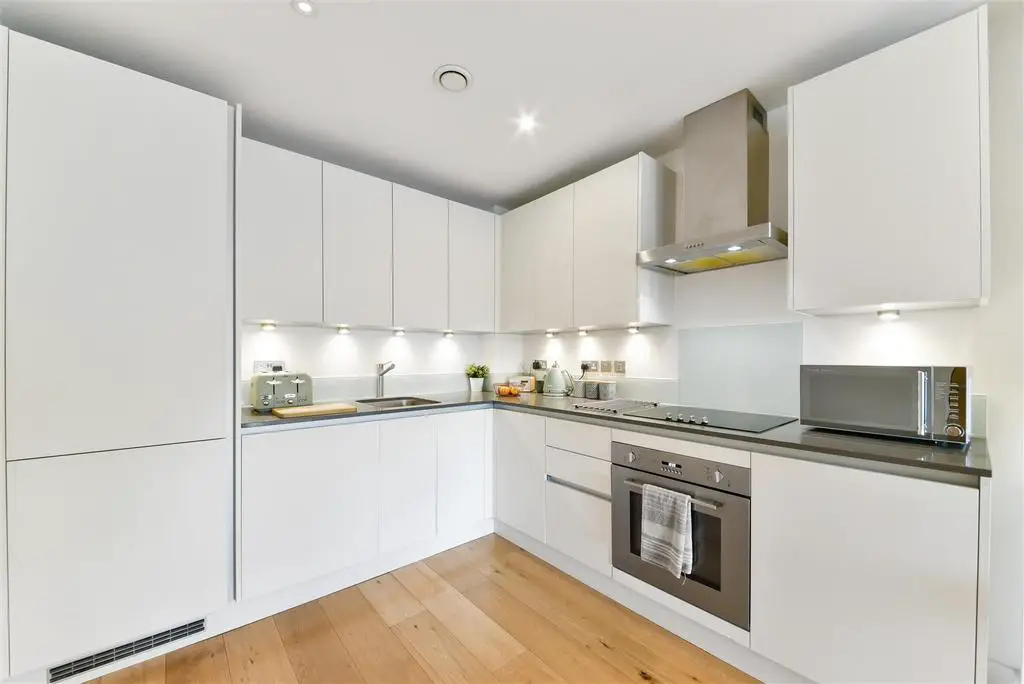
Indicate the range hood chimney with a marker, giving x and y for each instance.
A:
(725, 192)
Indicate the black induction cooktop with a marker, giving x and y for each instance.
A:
(694, 415)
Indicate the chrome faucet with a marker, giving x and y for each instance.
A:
(382, 370)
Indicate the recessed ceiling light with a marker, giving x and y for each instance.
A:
(632, 330)
(303, 7)
(527, 123)
(344, 330)
(735, 248)
(888, 315)
(670, 260)
(399, 332)
(268, 326)
(453, 78)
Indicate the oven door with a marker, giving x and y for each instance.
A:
(720, 581)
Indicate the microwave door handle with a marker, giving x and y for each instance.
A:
(922, 403)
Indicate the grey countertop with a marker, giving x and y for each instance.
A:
(973, 460)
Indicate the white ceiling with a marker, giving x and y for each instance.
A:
(353, 84)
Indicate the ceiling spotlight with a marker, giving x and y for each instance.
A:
(632, 330)
(527, 123)
(582, 333)
(734, 248)
(452, 77)
(670, 261)
(343, 330)
(303, 7)
(399, 332)
(268, 326)
(449, 334)
(550, 334)
(888, 315)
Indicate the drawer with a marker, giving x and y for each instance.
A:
(587, 472)
(580, 526)
(580, 438)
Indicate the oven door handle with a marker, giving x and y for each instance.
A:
(711, 505)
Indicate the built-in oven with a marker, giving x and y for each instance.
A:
(720, 527)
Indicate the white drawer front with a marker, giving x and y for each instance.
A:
(580, 525)
(580, 438)
(592, 473)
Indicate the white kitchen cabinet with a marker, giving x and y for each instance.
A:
(471, 269)
(889, 176)
(519, 471)
(357, 239)
(861, 576)
(279, 235)
(420, 260)
(581, 438)
(310, 504)
(118, 256)
(462, 451)
(536, 267)
(617, 212)
(579, 524)
(109, 547)
(408, 485)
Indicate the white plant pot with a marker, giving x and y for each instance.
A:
(476, 384)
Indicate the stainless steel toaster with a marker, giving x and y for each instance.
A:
(268, 391)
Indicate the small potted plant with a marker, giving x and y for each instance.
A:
(476, 374)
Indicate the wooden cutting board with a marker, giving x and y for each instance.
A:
(313, 410)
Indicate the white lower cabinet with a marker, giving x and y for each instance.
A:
(108, 547)
(519, 471)
(310, 501)
(859, 576)
(408, 482)
(462, 451)
(580, 526)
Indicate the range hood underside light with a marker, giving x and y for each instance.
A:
(757, 244)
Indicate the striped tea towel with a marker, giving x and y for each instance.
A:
(665, 538)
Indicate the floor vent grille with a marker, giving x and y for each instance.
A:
(102, 658)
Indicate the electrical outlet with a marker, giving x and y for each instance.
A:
(266, 366)
(606, 366)
(543, 364)
(592, 365)
(620, 367)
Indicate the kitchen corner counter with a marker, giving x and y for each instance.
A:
(786, 440)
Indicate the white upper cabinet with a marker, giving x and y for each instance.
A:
(618, 211)
(859, 576)
(357, 241)
(278, 236)
(118, 256)
(420, 260)
(889, 176)
(536, 270)
(471, 269)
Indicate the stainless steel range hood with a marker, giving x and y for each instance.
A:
(725, 192)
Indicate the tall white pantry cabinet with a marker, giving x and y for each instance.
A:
(118, 266)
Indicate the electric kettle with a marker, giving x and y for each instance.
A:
(558, 382)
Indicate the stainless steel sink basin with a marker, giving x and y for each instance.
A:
(397, 402)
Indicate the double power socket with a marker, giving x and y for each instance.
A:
(596, 366)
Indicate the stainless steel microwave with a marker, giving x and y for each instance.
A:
(931, 403)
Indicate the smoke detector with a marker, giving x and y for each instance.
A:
(453, 78)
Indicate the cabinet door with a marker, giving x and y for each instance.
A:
(118, 256)
(408, 486)
(109, 547)
(279, 236)
(886, 175)
(552, 261)
(310, 501)
(461, 469)
(859, 576)
(471, 269)
(357, 248)
(579, 525)
(519, 472)
(421, 259)
(517, 256)
(605, 242)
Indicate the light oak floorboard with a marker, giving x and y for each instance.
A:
(378, 653)
(314, 649)
(392, 601)
(438, 652)
(203, 663)
(257, 656)
(486, 612)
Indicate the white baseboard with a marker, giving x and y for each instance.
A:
(727, 648)
(239, 613)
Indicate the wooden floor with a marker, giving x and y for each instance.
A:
(486, 611)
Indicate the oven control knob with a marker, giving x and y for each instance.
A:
(704, 420)
(693, 419)
(669, 416)
(631, 457)
(683, 419)
(954, 431)
(717, 476)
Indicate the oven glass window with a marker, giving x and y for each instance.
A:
(707, 542)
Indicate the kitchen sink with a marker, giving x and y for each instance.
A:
(397, 402)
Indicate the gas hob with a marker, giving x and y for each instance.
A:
(729, 420)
